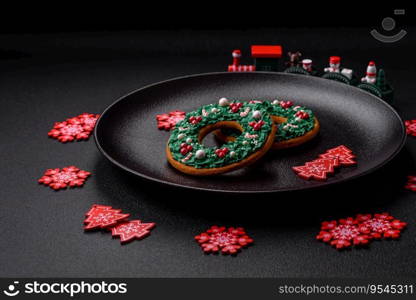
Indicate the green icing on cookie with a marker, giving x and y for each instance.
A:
(294, 125)
(185, 148)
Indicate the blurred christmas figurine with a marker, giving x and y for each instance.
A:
(370, 75)
(294, 59)
(375, 83)
(334, 63)
(305, 68)
(307, 65)
(266, 57)
(334, 71)
(236, 67)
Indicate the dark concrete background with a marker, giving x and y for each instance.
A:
(48, 77)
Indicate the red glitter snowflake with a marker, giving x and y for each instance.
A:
(410, 127)
(411, 183)
(169, 120)
(228, 241)
(62, 178)
(380, 225)
(87, 120)
(343, 233)
(76, 128)
(360, 230)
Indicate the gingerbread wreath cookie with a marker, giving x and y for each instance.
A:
(186, 153)
(296, 125)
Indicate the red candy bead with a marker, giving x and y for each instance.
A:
(221, 152)
(286, 104)
(195, 120)
(235, 107)
(302, 115)
(185, 148)
(256, 125)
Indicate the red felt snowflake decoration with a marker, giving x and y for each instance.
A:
(411, 183)
(228, 241)
(410, 127)
(128, 231)
(343, 233)
(380, 225)
(169, 120)
(360, 230)
(317, 169)
(87, 120)
(76, 128)
(62, 178)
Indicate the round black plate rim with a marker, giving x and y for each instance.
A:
(301, 188)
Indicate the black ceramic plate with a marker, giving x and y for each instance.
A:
(127, 134)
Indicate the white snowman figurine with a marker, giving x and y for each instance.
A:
(334, 67)
(371, 74)
(334, 63)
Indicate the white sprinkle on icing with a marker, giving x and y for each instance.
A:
(199, 154)
(223, 102)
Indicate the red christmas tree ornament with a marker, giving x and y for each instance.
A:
(343, 233)
(342, 153)
(128, 231)
(97, 207)
(76, 128)
(410, 127)
(169, 120)
(102, 217)
(220, 239)
(380, 225)
(317, 169)
(62, 178)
